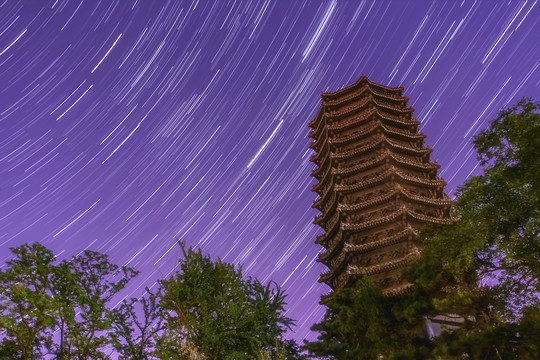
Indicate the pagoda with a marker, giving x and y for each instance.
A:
(377, 187)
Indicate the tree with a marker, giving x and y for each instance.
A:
(486, 265)
(214, 313)
(134, 338)
(90, 282)
(27, 308)
(361, 323)
(39, 298)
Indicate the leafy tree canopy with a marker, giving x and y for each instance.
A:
(217, 314)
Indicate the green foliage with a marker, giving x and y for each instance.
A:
(134, 338)
(217, 314)
(95, 281)
(38, 298)
(27, 308)
(486, 265)
(210, 311)
(361, 323)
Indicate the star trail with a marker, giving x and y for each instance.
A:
(126, 125)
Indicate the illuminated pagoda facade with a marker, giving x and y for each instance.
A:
(377, 187)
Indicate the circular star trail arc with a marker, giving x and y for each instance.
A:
(128, 125)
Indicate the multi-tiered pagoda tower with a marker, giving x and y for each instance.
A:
(376, 185)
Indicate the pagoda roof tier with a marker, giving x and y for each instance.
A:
(364, 165)
(346, 209)
(405, 213)
(374, 180)
(331, 248)
(321, 158)
(407, 135)
(333, 228)
(358, 84)
(385, 266)
(367, 102)
(349, 208)
(321, 154)
(378, 244)
(397, 100)
(397, 133)
(367, 106)
(340, 126)
(401, 213)
(357, 271)
(326, 297)
(396, 291)
(336, 225)
(422, 151)
(368, 163)
(381, 159)
(389, 293)
(326, 213)
(370, 246)
(363, 110)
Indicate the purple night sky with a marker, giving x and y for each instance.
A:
(126, 125)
